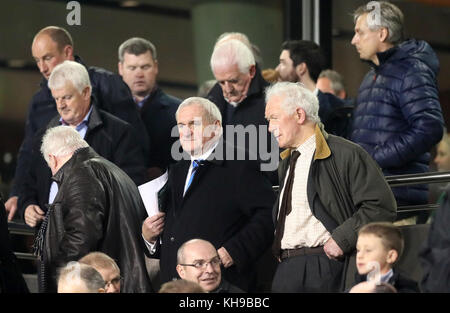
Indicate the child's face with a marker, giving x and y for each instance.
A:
(370, 248)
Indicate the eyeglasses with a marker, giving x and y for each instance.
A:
(116, 282)
(202, 264)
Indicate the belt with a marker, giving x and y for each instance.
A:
(287, 253)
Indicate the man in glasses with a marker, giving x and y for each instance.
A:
(199, 262)
(107, 267)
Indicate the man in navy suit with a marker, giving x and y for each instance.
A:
(213, 195)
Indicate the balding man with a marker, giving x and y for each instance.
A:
(51, 46)
(198, 261)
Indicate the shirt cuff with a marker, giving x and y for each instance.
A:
(150, 246)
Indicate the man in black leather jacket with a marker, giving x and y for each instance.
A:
(97, 208)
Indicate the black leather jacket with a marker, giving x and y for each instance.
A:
(97, 208)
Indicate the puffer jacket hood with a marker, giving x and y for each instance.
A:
(419, 50)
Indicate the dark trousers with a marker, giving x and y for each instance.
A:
(308, 273)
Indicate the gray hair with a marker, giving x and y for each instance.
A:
(136, 46)
(383, 14)
(244, 39)
(336, 80)
(210, 110)
(61, 141)
(295, 96)
(86, 273)
(69, 71)
(180, 252)
(232, 52)
(234, 35)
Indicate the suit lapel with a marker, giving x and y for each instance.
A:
(283, 167)
(197, 178)
(180, 171)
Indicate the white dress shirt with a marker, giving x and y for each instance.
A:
(302, 228)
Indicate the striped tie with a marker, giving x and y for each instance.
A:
(195, 165)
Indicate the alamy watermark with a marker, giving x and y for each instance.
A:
(74, 16)
(251, 142)
(374, 16)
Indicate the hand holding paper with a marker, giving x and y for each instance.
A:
(149, 193)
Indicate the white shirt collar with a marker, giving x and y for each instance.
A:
(308, 145)
(208, 152)
(385, 278)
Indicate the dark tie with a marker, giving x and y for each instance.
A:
(195, 166)
(286, 205)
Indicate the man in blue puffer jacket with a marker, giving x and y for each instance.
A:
(398, 117)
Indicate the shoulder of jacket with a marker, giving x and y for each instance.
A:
(339, 145)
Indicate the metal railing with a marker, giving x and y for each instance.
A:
(20, 228)
(417, 179)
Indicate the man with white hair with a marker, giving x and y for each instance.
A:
(239, 95)
(329, 188)
(211, 196)
(95, 209)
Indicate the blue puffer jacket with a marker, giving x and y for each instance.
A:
(398, 117)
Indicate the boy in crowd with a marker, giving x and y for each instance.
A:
(378, 249)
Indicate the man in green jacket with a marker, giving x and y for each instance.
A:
(329, 188)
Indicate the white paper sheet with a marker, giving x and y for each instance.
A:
(149, 193)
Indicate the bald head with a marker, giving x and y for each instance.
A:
(199, 262)
(58, 34)
(51, 46)
(193, 244)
